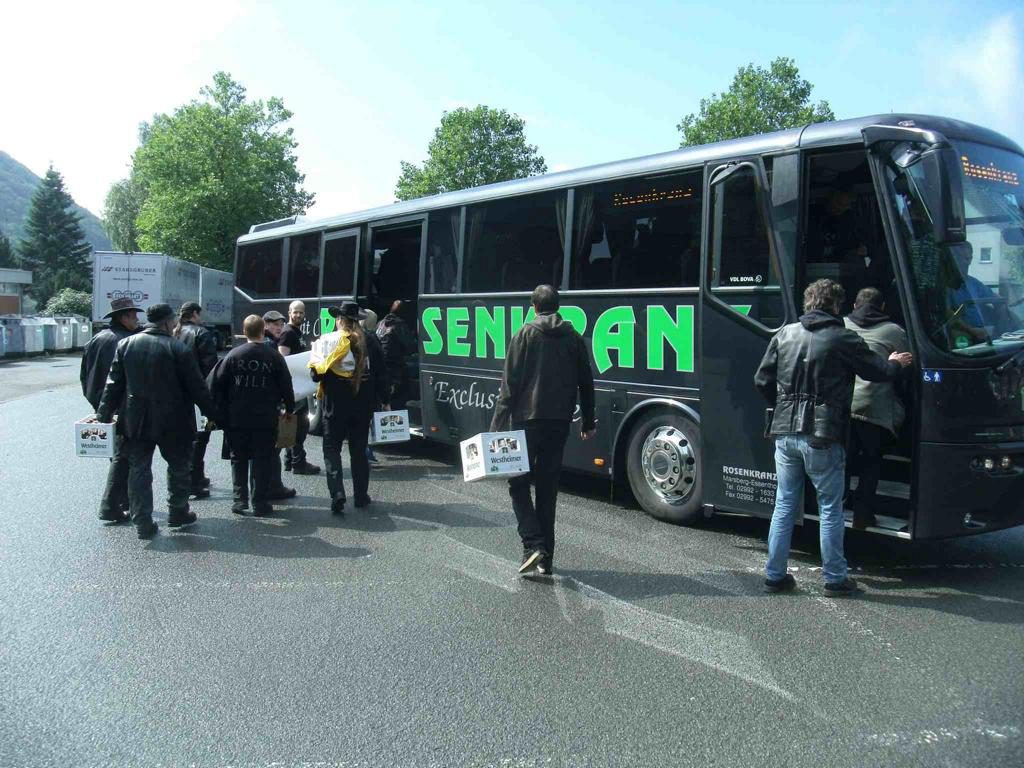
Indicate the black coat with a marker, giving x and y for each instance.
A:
(397, 342)
(546, 366)
(96, 360)
(202, 343)
(154, 385)
(808, 374)
(250, 385)
(339, 398)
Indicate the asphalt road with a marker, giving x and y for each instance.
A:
(401, 636)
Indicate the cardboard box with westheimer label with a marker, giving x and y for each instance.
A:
(494, 454)
(93, 439)
(389, 427)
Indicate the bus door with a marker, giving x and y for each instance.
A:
(743, 305)
(392, 274)
(337, 275)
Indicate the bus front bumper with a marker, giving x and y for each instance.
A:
(959, 496)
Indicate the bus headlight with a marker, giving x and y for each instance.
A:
(1005, 463)
(989, 464)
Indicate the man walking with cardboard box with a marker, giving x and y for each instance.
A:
(97, 358)
(154, 385)
(546, 366)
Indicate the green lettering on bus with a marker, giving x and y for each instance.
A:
(615, 330)
(518, 321)
(490, 325)
(326, 322)
(576, 317)
(678, 333)
(457, 325)
(434, 343)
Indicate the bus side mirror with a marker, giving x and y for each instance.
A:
(943, 190)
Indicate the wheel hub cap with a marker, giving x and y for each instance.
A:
(669, 464)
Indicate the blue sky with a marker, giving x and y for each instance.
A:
(368, 81)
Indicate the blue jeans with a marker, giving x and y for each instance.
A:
(825, 465)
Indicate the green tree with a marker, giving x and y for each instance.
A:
(120, 213)
(68, 301)
(758, 101)
(7, 258)
(471, 147)
(54, 247)
(212, 169)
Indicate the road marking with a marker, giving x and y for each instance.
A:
(722, 651)
(930, 736)
(857, 626)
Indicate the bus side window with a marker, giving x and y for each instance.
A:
(259, 268)
(442, 251)
(304, 267)
(637, 233)
(742, 272)
(515, 244)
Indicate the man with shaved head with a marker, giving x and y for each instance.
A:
(290, 343)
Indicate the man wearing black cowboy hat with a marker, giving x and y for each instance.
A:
(96, 360)
(352, 389)
(154, 382)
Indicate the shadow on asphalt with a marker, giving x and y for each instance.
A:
(277, 537)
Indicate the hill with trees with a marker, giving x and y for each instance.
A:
(17, 185)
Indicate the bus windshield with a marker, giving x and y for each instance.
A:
(970, 295)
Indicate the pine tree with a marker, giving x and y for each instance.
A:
(7, 258)
(54, 248)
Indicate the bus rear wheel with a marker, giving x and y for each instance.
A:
(663, 466)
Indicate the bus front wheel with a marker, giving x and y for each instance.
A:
(663, 466)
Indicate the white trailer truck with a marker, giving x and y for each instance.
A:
(152, 278)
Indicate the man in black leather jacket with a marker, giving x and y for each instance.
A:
(203, 345)
(154, 385)
(808, 374)
(398, 343)
(96, 359)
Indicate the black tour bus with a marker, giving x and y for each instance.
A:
(678, 268)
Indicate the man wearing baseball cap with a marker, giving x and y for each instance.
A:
(96, 360)
(155, 382)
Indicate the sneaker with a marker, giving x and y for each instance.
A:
(282, 493)
(200, 493)
(530, 560)
(181, 520)
(240, 507)
(262, 510)
(786, 584)
(338, 506)
(305, 468)
(363, 501)
(148, 530)
(545, 568)
(846, 588)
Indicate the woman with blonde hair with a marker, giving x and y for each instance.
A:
(352, 387)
